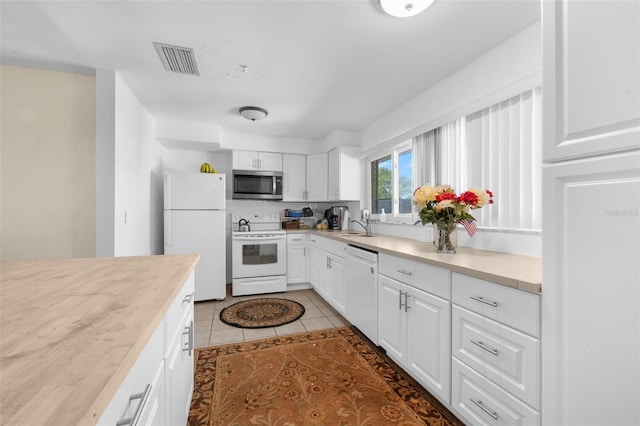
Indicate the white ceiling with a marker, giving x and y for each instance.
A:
(316, 65)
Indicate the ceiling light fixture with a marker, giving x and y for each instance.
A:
(404, 8)
(253, 113)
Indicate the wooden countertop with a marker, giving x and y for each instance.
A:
(72, 329)
(512, 270)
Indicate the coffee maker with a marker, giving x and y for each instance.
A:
(334, 216)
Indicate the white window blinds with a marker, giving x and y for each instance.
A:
(498, 148)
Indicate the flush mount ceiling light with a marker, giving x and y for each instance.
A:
(404, 8)
(253, 113)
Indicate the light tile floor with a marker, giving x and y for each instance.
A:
(210, 331)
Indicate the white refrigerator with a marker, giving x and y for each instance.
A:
(194, 222)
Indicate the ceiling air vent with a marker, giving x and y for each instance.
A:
(177, 59)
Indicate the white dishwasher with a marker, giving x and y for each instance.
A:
(361, 282)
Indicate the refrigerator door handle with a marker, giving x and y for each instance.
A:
(167, 190)
(167, 227)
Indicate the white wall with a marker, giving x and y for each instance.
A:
(516, 62)
(130, 191)
(47, 172)
(268, 144)
(507, 70)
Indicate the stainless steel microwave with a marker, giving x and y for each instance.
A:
(260, 185)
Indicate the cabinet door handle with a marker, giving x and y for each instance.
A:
(400, 299)
(485, 347)
(372, 270)
(136, 414)
(187, 298)
(406, 301)
(402, 271)
(480, 405)
(304, 252)
(485, 301)
(188, 331)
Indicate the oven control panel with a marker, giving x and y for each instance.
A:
(257, 221)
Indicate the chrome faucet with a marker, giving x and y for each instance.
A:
(366, 227)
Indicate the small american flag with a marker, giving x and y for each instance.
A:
(470, 226)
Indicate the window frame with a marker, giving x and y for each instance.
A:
(394, 152)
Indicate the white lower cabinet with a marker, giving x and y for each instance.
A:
(142, 389)
(414, 328)
(179, 373)
(158, 388)
(297, 258)
(326, 271)
(495, 353)
(153, 413)
(478, 401)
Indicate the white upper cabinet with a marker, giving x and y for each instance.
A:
(591, 77)
(254, 160)
(294, 177)
(344, 174)
(317, 177)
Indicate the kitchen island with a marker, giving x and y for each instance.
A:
(71, 331)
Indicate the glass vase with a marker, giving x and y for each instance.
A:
(445, 237)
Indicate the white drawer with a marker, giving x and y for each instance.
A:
(141, 378)
(477, 401)
(327, 244)
(423, 276)
(515, 308)
(181, 305)
(508, 357)
(297, 239)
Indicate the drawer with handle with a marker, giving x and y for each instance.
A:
(429, 278)
(138, 393)
(297, 239)
(181, 305)
(477, 401)
(508, 357)
(328, 245)
(515, 308)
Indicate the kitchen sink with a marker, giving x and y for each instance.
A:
(355, 234)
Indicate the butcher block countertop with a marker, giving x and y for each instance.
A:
(72, 329)
(512, 270)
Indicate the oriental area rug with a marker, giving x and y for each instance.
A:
(327, 377)
(261, 313)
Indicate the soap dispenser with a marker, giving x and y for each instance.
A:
(383, 216)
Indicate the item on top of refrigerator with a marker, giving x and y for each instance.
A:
(206, 168)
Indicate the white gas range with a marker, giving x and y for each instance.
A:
(259, 254)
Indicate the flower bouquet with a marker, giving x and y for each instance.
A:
(441, 206)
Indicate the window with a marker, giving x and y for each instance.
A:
(381, 185)
(392, 181)
(497, 148)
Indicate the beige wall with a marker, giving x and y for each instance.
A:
(47, 142)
